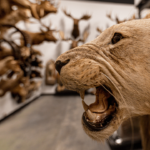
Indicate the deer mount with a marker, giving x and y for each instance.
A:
(75, 32)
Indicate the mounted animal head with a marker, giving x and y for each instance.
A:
(35, 52)
(36, 62)
(50, 73)
(7, 64)
(75, 42)
(117, 19)
(35, 74)
(117, 63)
(20, 92)
(48, 34)
(45, 7)
(5, 52)
(10, 74)
(15, 16)
(26, 4)
(75, 31)
(5, 8)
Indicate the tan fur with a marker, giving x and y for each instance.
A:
(124, 67)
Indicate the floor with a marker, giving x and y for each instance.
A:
(49, 123)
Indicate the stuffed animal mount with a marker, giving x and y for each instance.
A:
(117, 63)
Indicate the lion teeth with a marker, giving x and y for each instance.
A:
(85, 106)
(82, 93)
(90, 115)
(14, 77)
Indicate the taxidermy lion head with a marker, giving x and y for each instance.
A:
(117, 64)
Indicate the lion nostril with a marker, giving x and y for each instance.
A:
(59, 65)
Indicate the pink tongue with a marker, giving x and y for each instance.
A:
(101, 103)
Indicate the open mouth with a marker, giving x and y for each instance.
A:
(99, 114)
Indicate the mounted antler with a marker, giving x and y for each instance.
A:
(110, 17)
(67, 14)
(76, 32)
(99, 30)
(117, 19)
(85, 17)
(39, 37)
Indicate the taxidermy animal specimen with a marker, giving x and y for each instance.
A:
(36, 62)
(117, 64)
(35, 52)
(76, 32)
(10, 74)
(50, 73)
(39, 37)
(24, 89)
(35, 74)
(99, 30)
(20, 92)
(117, 19)
(44, 8)
(16, 74)
(38, 10)
(75, 42)
(5, 52)
(15, 16)
(5, 8)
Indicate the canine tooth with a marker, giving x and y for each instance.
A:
(82, 93)
(14, 76)
(90, 115)
(85, 106)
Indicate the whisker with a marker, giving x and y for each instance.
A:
(126, 107)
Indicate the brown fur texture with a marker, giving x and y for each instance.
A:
(124, 67)
(39, 37)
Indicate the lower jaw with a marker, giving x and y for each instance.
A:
(97, 127)
(107, 116)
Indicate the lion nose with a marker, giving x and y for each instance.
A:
(59, 65)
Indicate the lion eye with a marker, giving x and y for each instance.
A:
(117, 37)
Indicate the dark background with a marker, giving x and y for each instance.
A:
(113, 1)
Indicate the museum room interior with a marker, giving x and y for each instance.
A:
(36, 110)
